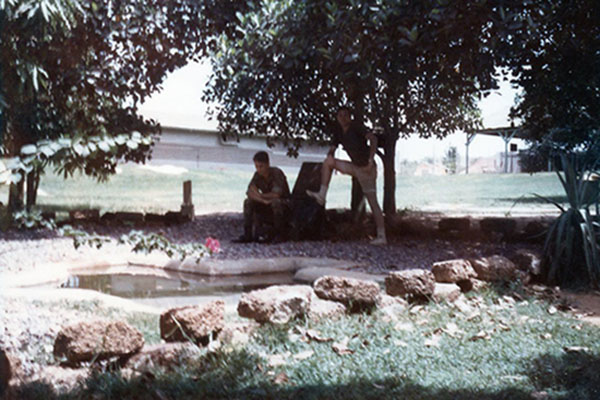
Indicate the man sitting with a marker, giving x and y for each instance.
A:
(268, 194)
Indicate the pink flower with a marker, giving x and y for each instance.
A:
(213, 245)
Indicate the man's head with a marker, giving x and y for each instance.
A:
(344, 116)
(261, 163)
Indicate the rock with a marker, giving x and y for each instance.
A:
(92, 215)
(320, 309)
(357, 294)
(472, 284)
(165, 355)
(311, 274)
(275, 304)
(390, 306)
(412, 284)
(528, 261)
(454, 224)
(449, 292)
(494, 268)
(196, 323)
(385, 300)
(505, 226)
(452, 271)
(237, 333)
(62, 380)
(97, 340)
(5, 371)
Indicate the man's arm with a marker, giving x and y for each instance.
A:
(265, 198)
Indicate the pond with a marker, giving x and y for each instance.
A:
(154, 286)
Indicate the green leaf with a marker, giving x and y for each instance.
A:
(29, 149)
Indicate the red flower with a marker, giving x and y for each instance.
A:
(213, 245)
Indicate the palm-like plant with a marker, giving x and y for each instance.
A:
(572, 245)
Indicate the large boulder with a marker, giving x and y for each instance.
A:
(452, 271)
(412, 284)
(275, 304)
(196, 323)
(357, 294)
(494, 268)
(165, 355)
(97, 340)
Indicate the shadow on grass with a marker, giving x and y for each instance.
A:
(560, 199)
(237, 376)
(570, 376)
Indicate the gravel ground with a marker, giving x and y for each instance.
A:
(28, 328)
(20, 251)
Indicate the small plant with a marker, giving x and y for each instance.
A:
(572, 244)
(31, 220)
(142, 242)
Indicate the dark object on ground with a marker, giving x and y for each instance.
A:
(308, 217)
(454, 224)
(504, 226)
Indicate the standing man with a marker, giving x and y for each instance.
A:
(353, 137)
(267, 200)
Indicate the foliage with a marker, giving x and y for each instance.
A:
(573, 241)
(407, 67)
(78, 70)
(70, 155)
(31, 220)
(145, 243)
(556, 64)
(450, 160)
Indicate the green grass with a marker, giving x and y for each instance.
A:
(223, 189)
(523, 354)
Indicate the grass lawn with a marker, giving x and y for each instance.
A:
(494, 347)
(222, 188)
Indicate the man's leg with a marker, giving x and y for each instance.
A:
(329, 165)
(280, 218)
(367, 176)
(378, 216)
(249, 211)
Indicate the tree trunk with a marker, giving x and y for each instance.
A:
(15, 196)
(389, 178)
(33, 182)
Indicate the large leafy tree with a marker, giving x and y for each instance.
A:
(555, 60)
(407, 67)
(76, 71)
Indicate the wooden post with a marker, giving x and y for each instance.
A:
(187, 208)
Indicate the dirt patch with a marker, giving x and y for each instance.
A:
(587, 304)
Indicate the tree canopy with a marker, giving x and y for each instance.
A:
(77, 70)
(407, 67)
(555, 60)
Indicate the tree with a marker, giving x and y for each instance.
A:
(555, 60)
(407, 67)
(450, 160)
(73, 70)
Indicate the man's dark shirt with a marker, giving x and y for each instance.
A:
(354, 142)
(276, 183)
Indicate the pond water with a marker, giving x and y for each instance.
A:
(159, 287)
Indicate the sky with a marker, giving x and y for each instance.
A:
(179, 104)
